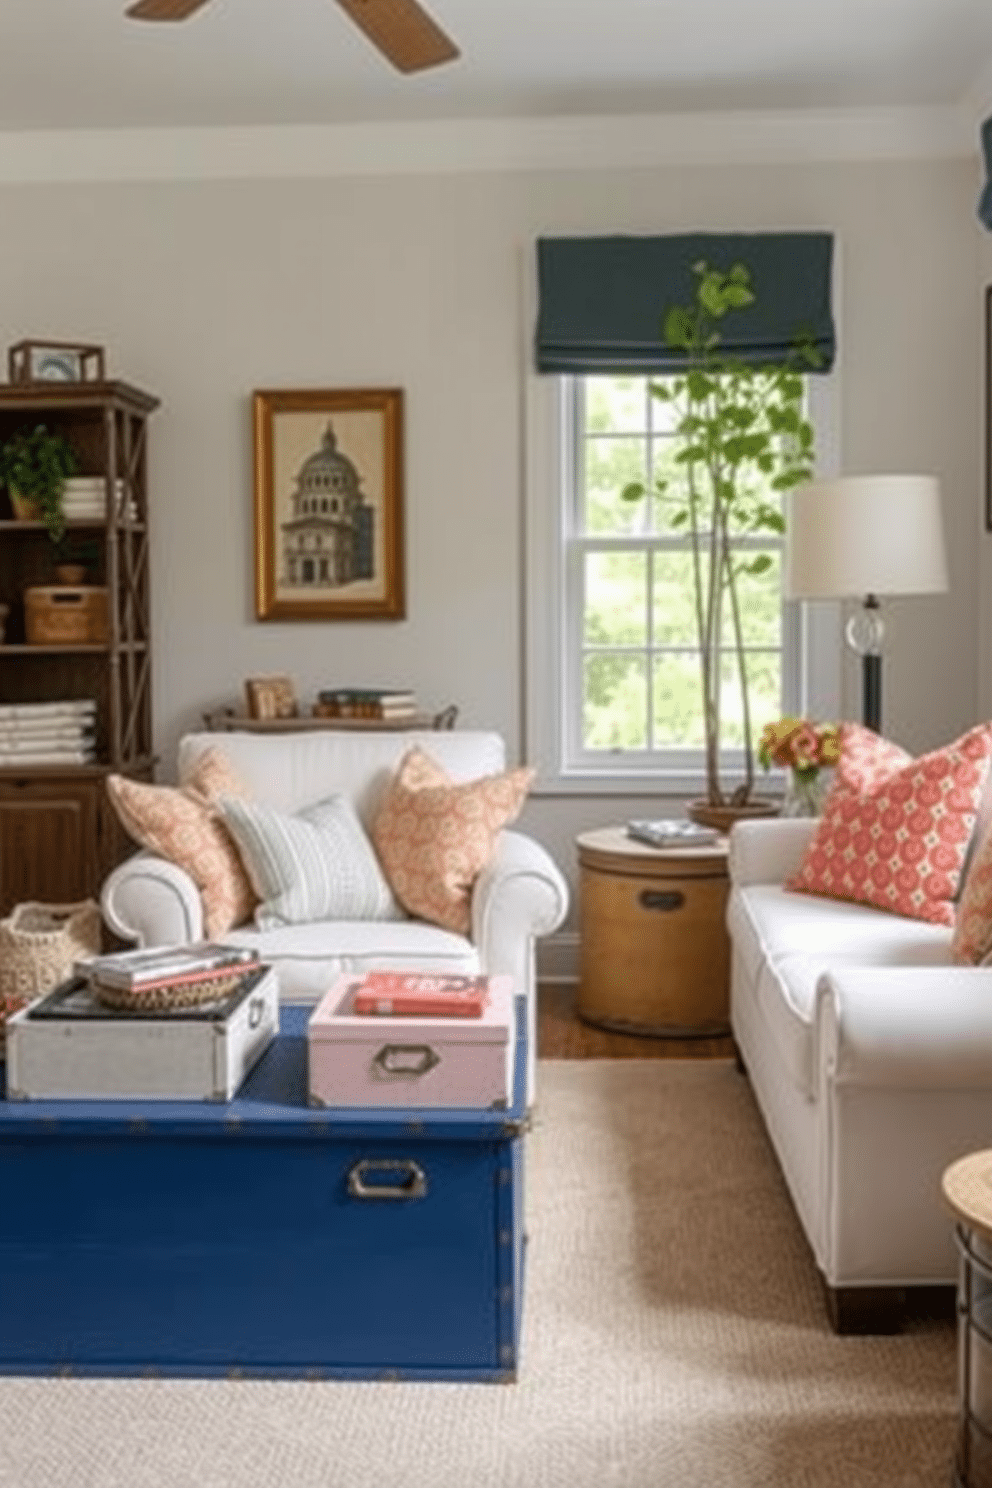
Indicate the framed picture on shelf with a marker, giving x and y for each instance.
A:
(270, 697)
(329, 504)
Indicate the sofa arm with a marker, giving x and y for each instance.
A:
(910, 1028)
(152, 902)
(770, 849)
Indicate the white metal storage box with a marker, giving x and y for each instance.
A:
(66, 1046)
(363, 1060)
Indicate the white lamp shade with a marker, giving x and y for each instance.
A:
(864, 534)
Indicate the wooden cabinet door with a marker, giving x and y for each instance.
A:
(49, 841)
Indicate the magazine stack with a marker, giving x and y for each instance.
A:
(48, 733)
(174, 1023)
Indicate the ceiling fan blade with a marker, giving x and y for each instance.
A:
(403, 32)
(164, 10)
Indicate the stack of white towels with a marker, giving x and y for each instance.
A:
(84, 498)
(47, 733)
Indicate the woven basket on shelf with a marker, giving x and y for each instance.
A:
(39, 944)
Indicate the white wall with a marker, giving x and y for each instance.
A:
(203, 291)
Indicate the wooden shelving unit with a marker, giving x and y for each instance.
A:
(58, 834)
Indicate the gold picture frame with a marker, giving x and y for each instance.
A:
(270, 697)
(329, 504)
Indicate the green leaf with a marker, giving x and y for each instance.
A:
(758, 565)
(699, 386)
(660, 391)
(633, 491)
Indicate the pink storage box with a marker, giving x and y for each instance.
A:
(359, 1060)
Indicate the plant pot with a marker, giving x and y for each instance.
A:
(724, 817)
(71, 574)
(26, 509)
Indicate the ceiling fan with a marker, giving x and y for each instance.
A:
(401, 29)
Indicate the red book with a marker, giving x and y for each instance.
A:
(392, 994)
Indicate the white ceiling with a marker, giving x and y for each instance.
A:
(71, 64)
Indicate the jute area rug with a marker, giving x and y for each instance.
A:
(674, 1337)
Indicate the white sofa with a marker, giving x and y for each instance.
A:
(870, 1057)
(519, 896)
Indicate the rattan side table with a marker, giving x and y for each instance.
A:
(967, 1188)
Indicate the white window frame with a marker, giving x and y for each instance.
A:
(811, 631)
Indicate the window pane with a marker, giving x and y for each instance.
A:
(611, 464)
(614, 702)
(761, 604)
(616, 599)
(616, 405)
(674, 600)
(764, 670)
(678, 713)
(664, 413)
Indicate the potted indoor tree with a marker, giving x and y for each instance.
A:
(34, 464)
(740, 432)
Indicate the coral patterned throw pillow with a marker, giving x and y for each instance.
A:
(435, 835)
(895, 830)
(183, 824)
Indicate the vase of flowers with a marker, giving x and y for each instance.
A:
(803, 748)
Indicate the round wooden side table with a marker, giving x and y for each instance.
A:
(654, 952)
(967, 1187)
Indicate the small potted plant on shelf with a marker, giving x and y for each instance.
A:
(34, 464)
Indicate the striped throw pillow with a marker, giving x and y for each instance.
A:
(316, 865)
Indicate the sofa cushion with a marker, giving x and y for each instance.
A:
(973, 927)
(785, 942)
(894, 830)
(308, 958)
(317, 865)
(185, 826)
(434, 835)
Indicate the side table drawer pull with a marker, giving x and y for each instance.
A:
(662, 898)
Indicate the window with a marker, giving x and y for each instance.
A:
(613, 700)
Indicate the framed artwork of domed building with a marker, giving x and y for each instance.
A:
(329, 504)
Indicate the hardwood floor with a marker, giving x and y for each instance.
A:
(562, 1035)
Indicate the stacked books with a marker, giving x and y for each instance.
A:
(365, 702)
(47, 733)
(169, 976)
(675, 832)
(84, 499)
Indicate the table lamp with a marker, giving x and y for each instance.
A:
(864, 536)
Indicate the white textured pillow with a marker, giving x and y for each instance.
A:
(316, 865)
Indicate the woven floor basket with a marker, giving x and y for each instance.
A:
(39, 944)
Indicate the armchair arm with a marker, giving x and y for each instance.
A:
(770, 849)
(911, 1028)
(519, 895)
(150, 901)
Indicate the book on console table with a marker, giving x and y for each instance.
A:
(674, 832)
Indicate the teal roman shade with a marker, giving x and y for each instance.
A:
(602, 301)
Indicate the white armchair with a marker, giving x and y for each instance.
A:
(519, 895)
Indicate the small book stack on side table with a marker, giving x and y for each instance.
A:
(655, 954)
